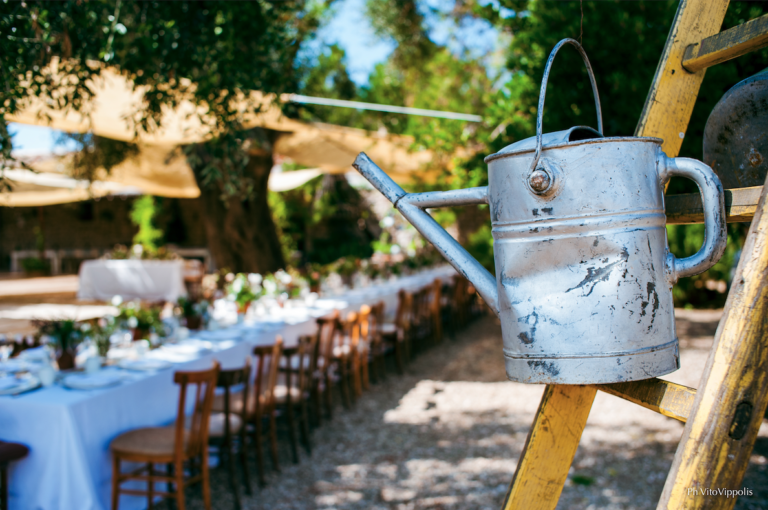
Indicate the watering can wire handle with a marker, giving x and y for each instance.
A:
(715, 233)
(543, 93)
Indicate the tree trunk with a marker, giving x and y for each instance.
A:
(469, 220)
(241, 233)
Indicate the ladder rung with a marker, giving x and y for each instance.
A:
(740, 205)
(664, 397)
(731, 43)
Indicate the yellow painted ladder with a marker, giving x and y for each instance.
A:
(723, 416)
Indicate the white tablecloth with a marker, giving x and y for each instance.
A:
(152, 280)
(69, 431)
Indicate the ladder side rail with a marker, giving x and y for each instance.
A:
(733, 395)
(673, 94)
(667, 111)
(548, 452)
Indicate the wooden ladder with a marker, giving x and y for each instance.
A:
(723, 416)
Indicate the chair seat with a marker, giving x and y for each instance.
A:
(155, 442)
(235, 403)
(217, 424)
(10, 452)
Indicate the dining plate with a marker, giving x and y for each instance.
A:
(13, 385)
(189, 347)
(92, 381)
(14, 365)
(143, 364)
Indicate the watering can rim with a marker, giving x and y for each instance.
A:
(501, 154)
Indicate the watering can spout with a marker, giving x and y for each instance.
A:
(412, 205)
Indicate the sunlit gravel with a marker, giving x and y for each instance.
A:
(448, 434)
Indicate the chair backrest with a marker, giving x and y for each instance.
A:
(446, 295)
(350, 331)
(327, 328)
(404, 314)
(267, 365)
(307, 354)
(420, 305)
(196, 434)
(235, 377)
(370, 325)
(366, 323)
(435, 298)
(459, 299)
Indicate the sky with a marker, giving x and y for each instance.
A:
(349, 28)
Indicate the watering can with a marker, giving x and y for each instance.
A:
(584, 276)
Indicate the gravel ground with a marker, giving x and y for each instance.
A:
(448, 434)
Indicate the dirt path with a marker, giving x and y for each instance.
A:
(449, 433)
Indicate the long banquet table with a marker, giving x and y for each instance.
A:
(69, 431)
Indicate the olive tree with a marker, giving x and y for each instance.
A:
(205, 52)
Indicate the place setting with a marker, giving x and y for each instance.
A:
(92, 380)
(18, 383)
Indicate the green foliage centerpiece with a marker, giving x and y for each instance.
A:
(243, 289)
(140, 319)
(66, 334)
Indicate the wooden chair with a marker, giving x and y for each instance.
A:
(460, 302)
(185, 441)
(327, 329)
(345, 359)
(421, 325)
(225, 422)
(293, 388)
(371, 355)
(396, 337)
(435, 312)
(376, 342)
(267, 366)
(446, 306)
(9, 452)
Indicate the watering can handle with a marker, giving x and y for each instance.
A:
(543, 93)
(715, 234)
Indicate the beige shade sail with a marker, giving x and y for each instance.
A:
(163, 170)
(160, 168)
(24, 195)
(334, 148)
(155, 170)
(111, 113)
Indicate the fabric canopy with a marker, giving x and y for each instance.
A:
(161, 169)
(112, 108)
(155, 170)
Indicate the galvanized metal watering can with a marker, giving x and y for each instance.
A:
(584, 276)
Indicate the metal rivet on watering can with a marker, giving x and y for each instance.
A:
(583, 284)
(540, 181)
